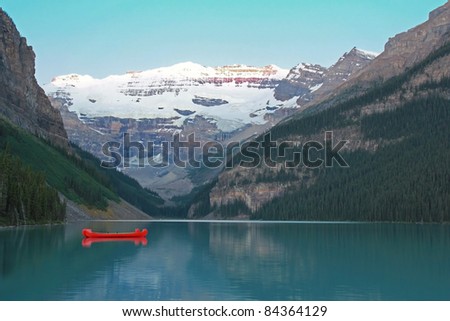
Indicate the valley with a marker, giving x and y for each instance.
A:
(377, 103)
(221, 104)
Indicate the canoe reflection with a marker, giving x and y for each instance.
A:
(87, 242)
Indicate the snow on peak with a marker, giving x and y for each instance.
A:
(188, 65)
(185, 69)
(269, 71)
(72, 80)
(194, 70)
(360, 53)
(302, 68)
(367, 53)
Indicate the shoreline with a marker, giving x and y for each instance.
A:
(6, 227)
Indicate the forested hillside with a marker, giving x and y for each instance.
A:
(406, 181)
(75, 174)
(398, 153)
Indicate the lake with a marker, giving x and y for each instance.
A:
(228, 261)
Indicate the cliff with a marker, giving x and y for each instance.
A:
(22, 101)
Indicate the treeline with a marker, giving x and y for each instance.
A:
(25, 197)
(233, 209)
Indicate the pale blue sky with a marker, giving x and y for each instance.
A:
(111, 37)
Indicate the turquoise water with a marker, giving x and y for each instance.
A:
(228, 261)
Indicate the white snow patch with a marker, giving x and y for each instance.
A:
(316, 87)
(370, 54)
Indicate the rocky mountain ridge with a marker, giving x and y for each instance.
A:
(308, 82)
(406, 49)
(22, 101)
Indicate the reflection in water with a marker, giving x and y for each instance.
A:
(222, 261)
(26, 246)
(87, 242)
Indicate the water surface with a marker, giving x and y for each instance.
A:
(228, 261)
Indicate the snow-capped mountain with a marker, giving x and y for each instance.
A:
(228, 97)
(232, 96)
(229, 103)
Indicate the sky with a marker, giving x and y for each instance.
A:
(104, 37)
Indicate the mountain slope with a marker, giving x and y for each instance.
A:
(398, 148)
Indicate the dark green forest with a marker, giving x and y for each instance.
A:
(407, 180)
(25, 197)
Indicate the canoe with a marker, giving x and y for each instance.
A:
(87, 242)
(137, 233)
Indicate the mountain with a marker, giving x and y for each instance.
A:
(43, 179)
(228, 103)
(22, 100)
(307, 82)
(392, 119)
(214, 103)
(230, 97)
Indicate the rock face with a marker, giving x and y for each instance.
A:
(208, 102)
(349, 64)
(22, 101)
(254, 196)
(308, 82)
(300, 82)
(407, 48)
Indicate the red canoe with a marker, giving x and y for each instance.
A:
(137, 233)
